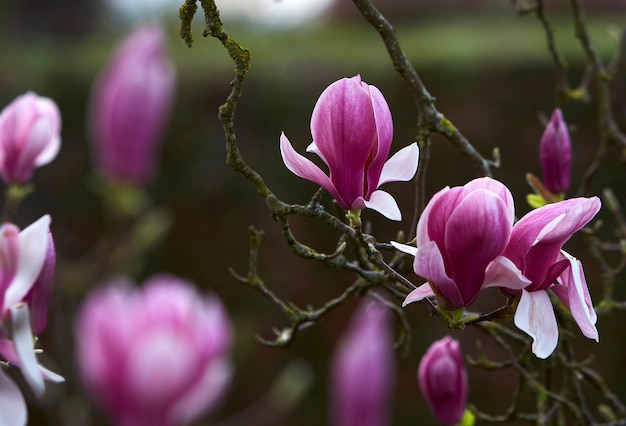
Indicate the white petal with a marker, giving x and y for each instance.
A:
(384, 204)
(501, 272)
(12, 405)
(401, 166)
(33, 249)
(405, 248)
(23, 340)
(535, 316)
(420, 293)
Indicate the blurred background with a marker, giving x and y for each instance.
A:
(488, 68)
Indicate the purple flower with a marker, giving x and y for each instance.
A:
(363, 369)
(153, 356)
(352, 132)
(555, 154)
(24, 294)
(443, 380)
(130, 106)
(536, 248)
(460, 236)
(30, 136)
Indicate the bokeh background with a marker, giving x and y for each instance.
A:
(488, 68)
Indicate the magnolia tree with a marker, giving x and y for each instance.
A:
(159, 353)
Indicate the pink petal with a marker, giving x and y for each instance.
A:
(384, 204)
(420, 293)
(501, 272)
(422, 235)
(405, 248)
(12, 405)
(575, 294)
(497, 188)
(23, 339)
(535, 316)
(429, 264)
(306, 169)
(32, 254)
(401, 166)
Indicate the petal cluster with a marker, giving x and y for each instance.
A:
(555, 154)
(130, 106)
(460, 237)
(536, 248)
(352, 132)
(442, 378)
(363, 369)
(155, 356)
(26, 276)
(30, 136)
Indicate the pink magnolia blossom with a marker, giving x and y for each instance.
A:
(536, 248)
(555, 154)
(363, 369)
(352, 132)
(460, 236)
(25, 283)
(30, 136)
(153, 356)
(443, 380)
(130, 106)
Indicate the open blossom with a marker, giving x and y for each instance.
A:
(155, 356)
(363, 369)
(536, 248)
(460, 236)
(352, 131)
(555, 154)
(130, 106)
(30, 136)
(26, 263)
(443, 380)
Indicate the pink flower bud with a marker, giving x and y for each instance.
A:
(352, 132)
(130, 106)
(153, 356)
(30, 136)
(363, 369)
(555, 154)
(443, 380)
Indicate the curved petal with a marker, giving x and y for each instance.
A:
(422, 235)
(384, 204)
(497, 188)
(23, 340)
(575, 294)
(404, 248)
(12, 405)
(306, 169)
(429, 264)
(535, 316)
(402, 166)
(501, 272)
(32, 254)
(420, 293)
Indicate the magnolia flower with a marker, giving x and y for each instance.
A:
(26, 261)
(555, 154)
(536, 248)
(352, 132)
(460, 236)
(363, 369)
(30, 136)
(443, 380)
(130, 106)
(154, 356)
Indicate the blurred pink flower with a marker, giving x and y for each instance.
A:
(154, 356)
(555, 154)
(130, 106)
(443, 380)
(30, 136)
(363, 369)
(352, 132)
(460, 236)
(536, 248)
